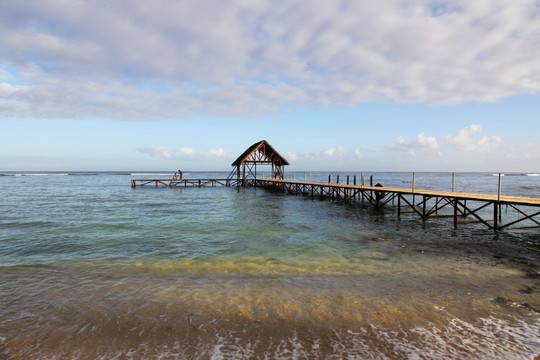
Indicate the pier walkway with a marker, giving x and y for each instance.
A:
(424, 203)
(461, 206)
(182, 182)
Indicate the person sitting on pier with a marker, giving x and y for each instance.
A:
(180, 174)
(175, 177)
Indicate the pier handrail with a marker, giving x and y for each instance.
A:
(460, 195)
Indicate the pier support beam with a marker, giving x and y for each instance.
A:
(455, 212)
(495, 215)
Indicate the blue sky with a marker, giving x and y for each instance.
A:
(332, 85)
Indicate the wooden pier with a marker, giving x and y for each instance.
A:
(424, 203)
(182, 182)
(462, 207)
(482, 208)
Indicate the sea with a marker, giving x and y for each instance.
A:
(91, 268)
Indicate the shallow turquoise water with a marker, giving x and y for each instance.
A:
(91, 268)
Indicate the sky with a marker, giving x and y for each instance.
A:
(332, 85)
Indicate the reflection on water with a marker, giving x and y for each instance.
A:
(226, 273)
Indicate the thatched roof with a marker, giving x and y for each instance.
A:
(261, 152)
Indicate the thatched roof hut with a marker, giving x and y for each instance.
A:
(261, 153)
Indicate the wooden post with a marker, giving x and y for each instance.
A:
(413, 185)
(329, 179)
(346, 191)
(371, 184)
(354, 191)
(495, 214)
(362, 183)
(455, 213)
(424, 208)
(499, 189)
(499, 198)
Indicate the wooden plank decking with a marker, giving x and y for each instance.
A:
(424, 203)
(517, 200)
(180, 182)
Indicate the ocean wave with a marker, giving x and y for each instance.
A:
(516, 174)
(489, 338)
(84, 174)
(89, 174)
(145, 174)
(36, 174)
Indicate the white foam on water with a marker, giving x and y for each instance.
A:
(37, 174)
(488, 338)
(494, 338)
(352, 345)
(152, 174)
(292, 348)
(225, 348)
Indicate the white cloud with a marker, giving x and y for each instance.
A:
(185, 153)
(329, 152)
(159, 152)
(466, 142)
(215, 153)
(428, 145)
(327, 157)
(172, 59)
(292, 156)
(8, 89)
